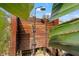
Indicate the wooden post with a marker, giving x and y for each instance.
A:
(34, 38)
(12, 49)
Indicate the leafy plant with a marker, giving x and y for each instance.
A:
(60, 9)
(3, 32)
(66, 35)
(21, 10)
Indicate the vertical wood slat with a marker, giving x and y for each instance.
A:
(12, 49)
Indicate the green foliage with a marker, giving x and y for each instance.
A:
(4, 38)
(21, 10)
(3, 21)
(60, 9)
(70, 26)
(4, 32)
(66, 36)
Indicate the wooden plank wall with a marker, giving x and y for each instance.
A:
(25, 34)
(22, 34)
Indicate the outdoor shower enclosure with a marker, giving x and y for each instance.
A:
(22, 34)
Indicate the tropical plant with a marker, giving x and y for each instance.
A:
(66, 35)
(60, 9)
(3, 32)
(21, 10)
